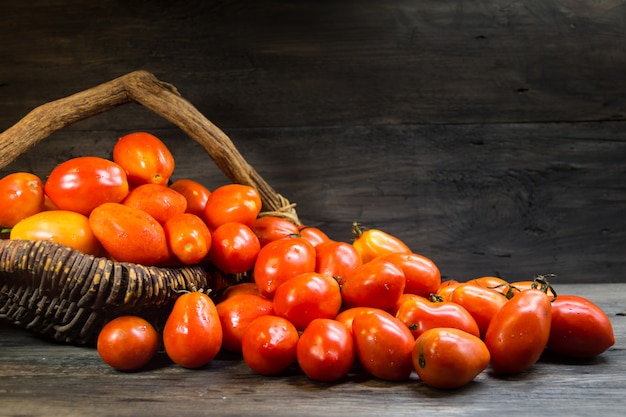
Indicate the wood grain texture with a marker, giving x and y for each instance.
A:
(38, 378)
(309, 63)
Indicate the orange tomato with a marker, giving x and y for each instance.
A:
(422, 275)
(145, 158)
(383, 345)
(347, 316)
(82, 184)
(404, 297)
(372, 243)
(325, 350)
(129, 234)
(495, 283)
(269, 228)
(281, 260)
(62, 226)
(420, 314)
(236, 313)
(48, 204)
(234, 248)
(307, 297)
(159, 201)
(481, 302)
(232, 203)
(239, 288)
(269, 344)
(337, 259)
(195, 193)
(374, 284)
(446, 288)
(518, 333)
(516, 287)
(192, 335)
(188, 238)
(21, 196)
(314, 235)
(447, 358)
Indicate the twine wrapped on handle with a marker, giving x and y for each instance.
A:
(57, 291)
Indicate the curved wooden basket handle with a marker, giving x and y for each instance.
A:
(162, 98)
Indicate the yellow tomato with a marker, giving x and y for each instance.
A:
(65, 227)
(372, 243)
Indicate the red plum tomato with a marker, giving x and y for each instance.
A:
(377, 283)
(579, 328)
(337, 259)
(192, 335)
(306, 297)
(420, 314)
(127, 343)
(157, 200)
(347, 316)
(422, 274)
(281, 260)
(232, 203)
(314, 235)
(519, 332)
(236, 313)
(145, 158)
(195, 193)
(325, 350)
(83, 183)
(448, 358)
(495, 283)
(269, 228)
(244, 287)
(269, 345)
(234, 248)
(481, 302)
(383, 345)
(129, 235)
(188, 238)
(21, 196)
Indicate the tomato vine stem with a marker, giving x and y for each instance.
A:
(541, 283)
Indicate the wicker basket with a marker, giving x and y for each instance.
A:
(65, 294)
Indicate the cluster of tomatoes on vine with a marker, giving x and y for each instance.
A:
(322, 304)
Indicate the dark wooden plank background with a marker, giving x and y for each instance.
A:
(489, 136)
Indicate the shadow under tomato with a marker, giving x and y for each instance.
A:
(159, 361)
(552, 358)
(162, 361)
(356, 379)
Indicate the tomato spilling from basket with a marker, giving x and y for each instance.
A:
(114, 252)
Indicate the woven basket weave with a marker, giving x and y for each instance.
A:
(54, 290)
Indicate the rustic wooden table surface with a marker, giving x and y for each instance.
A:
(40, 378)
